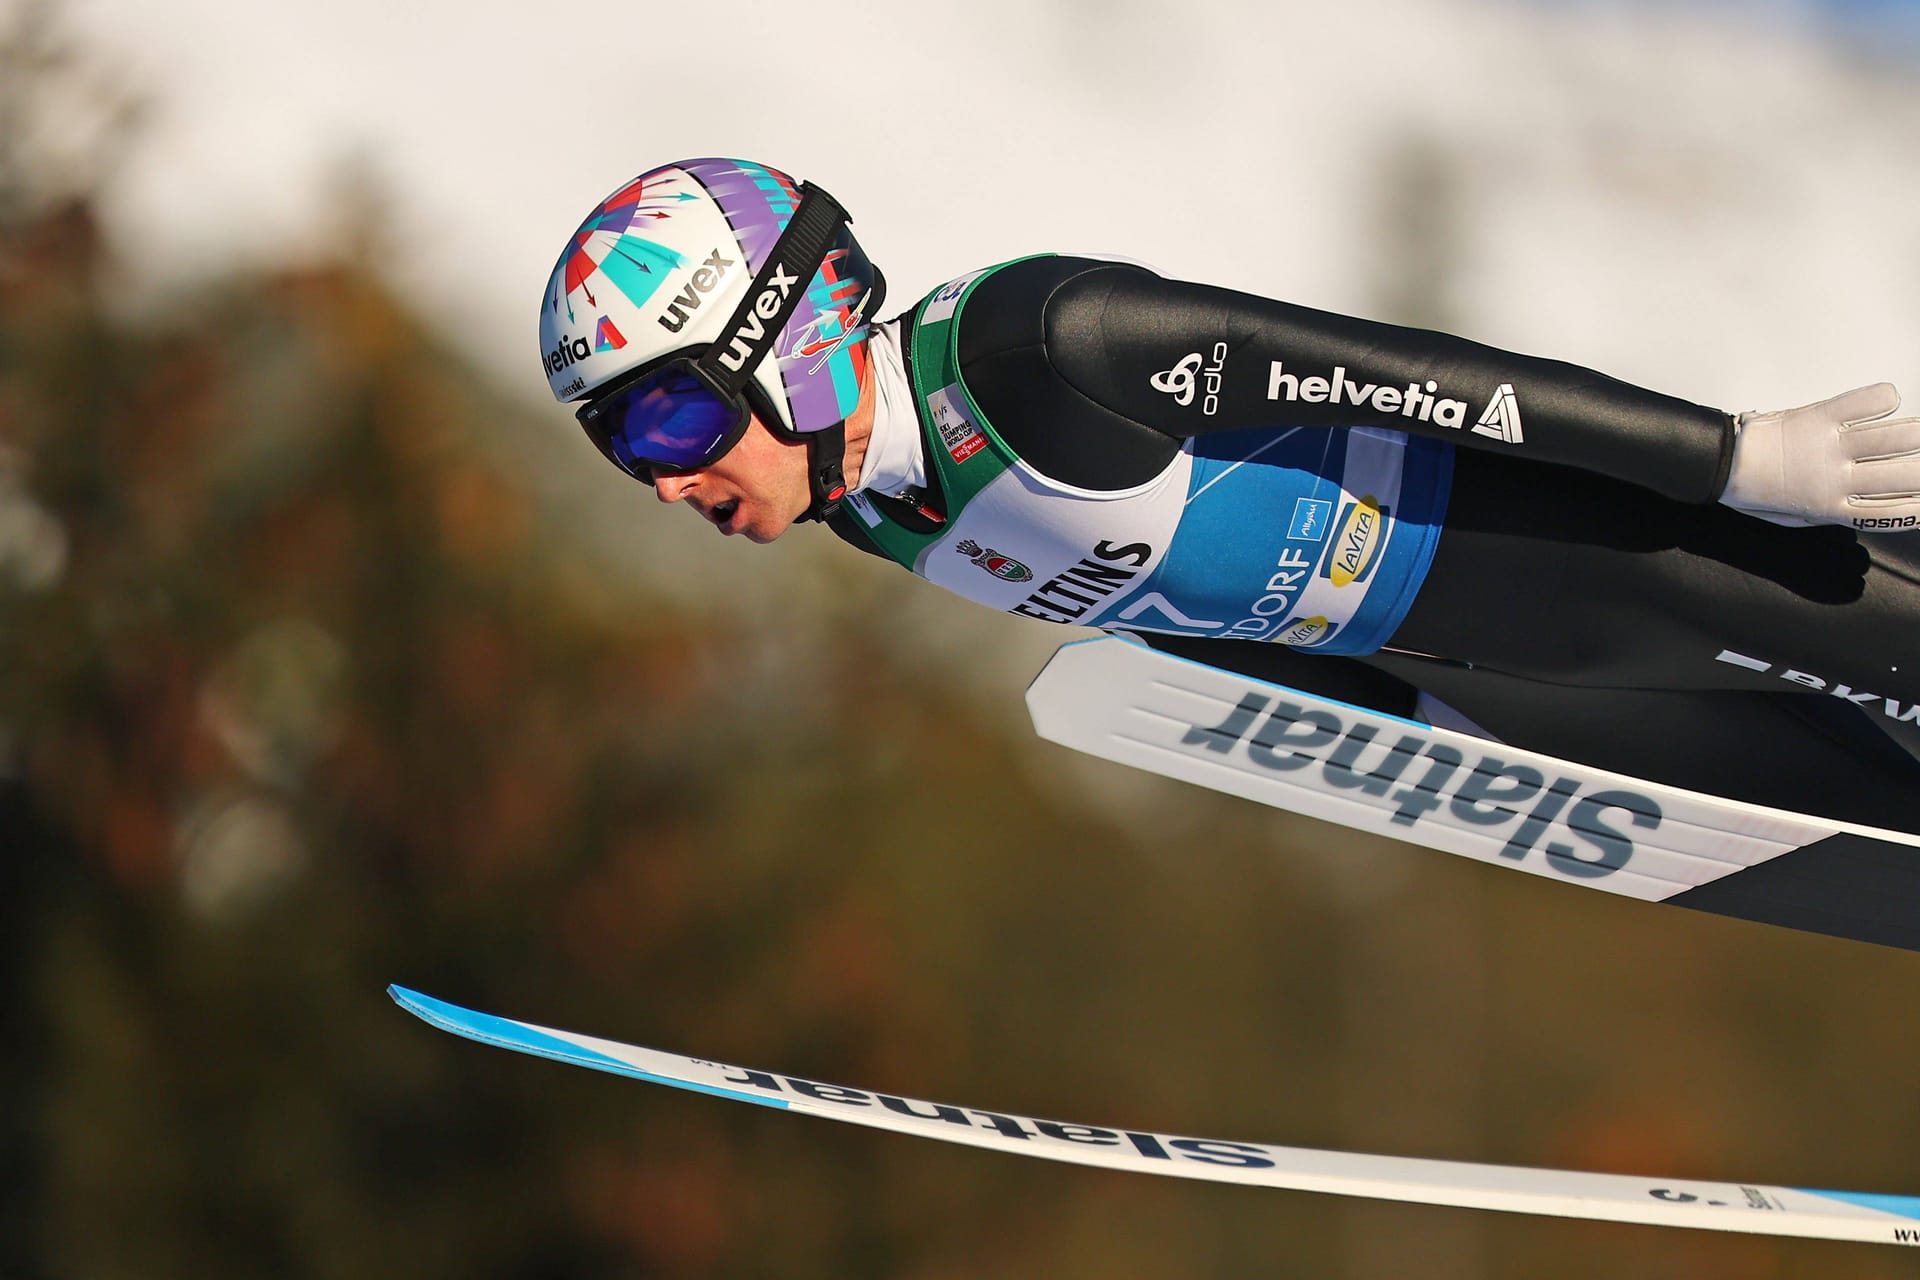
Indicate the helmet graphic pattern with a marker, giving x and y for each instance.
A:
(606, 244)
(658, 267)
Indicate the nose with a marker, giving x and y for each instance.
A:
(670, 487)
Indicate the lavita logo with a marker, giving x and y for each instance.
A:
(687, 301)
(741, 347)
(1358, 544)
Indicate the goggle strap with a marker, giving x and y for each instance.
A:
(753, 330)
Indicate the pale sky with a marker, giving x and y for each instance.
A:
(1720, 207)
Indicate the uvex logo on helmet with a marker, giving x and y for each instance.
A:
(743, 347)
(687, 301)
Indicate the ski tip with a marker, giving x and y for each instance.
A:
(444, 1015)
(504, 1033)
(448, 1017)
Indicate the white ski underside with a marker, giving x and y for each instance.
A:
(1608, 1197)
(1117, 699)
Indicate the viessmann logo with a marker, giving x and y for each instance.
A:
(1486, 795)
(1357, 545)
(958, 435)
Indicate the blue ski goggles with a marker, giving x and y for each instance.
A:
(671, 415)
(686, 409)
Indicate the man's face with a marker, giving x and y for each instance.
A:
(758, 487)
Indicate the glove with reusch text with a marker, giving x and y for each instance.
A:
(1843, 461)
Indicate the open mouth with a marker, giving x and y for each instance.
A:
(722, 514)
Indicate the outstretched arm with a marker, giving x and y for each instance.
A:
(1180, 360)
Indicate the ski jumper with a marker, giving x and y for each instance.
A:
(1250, 482)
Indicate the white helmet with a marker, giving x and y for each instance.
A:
(676, 271)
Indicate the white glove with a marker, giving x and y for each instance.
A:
(1837, 462)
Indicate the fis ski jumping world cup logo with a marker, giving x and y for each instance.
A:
(1005, 568)
(1488, 796)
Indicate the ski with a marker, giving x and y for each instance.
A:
(1115, 698)
(1715, 1206)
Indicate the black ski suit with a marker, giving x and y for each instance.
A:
(1588, 598)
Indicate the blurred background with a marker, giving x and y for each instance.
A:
(330, 655)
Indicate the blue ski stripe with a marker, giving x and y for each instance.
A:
(508, 1034)
(1904, 1206)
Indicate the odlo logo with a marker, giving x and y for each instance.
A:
(1179, 381)
(1005, 568)
(687, 301)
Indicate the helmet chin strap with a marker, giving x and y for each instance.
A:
(826, 475)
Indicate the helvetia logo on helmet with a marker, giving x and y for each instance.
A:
(607, 335)
(569, 352)
(741, 348)
(706, 277)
